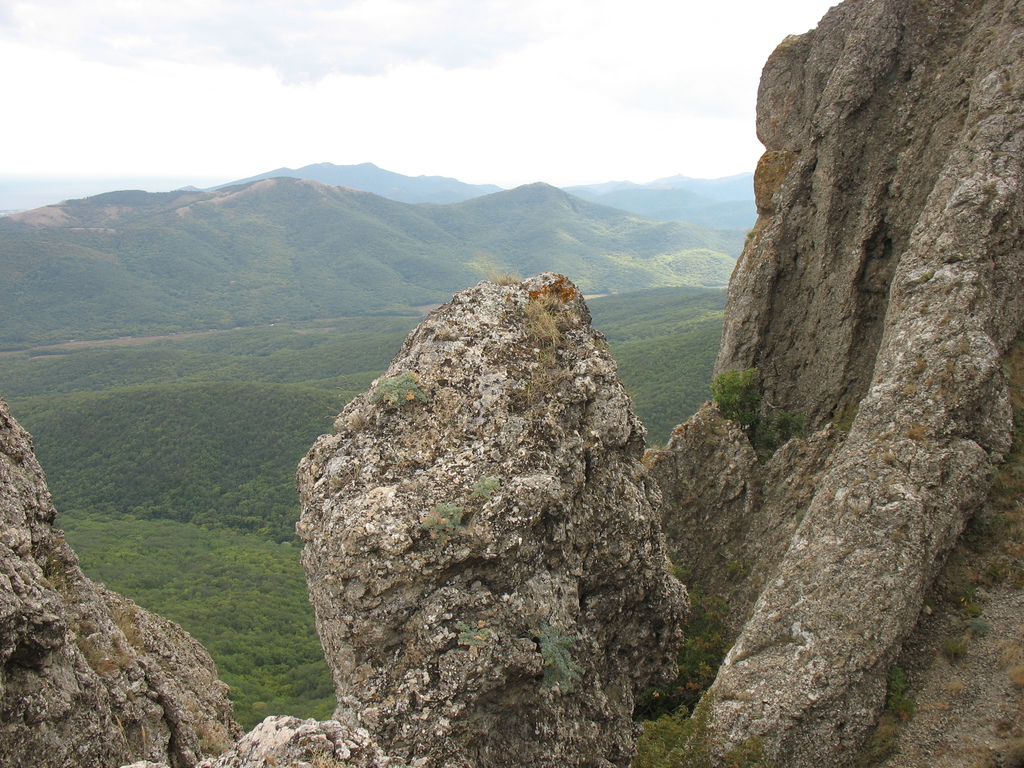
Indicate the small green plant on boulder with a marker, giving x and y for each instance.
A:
(485, 487)
(396, 391)
(474, 637)
(443, 521)
(560, 669)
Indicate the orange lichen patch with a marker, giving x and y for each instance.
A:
(561, 288)
(772, 169)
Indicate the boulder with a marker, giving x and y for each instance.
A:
(880, 290)
(482, 543)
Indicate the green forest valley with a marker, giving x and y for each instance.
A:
(172, 462)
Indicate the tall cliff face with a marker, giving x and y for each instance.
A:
(890, 181)
(884, 279)
(87, 678)
(482, 546)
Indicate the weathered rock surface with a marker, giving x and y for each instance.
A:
(482, 544)
(884, 275)
(288, 741)
(727, 518)
(87, 678)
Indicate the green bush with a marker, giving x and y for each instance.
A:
(708, 639)
(485, 487)
(396, 391)
(737, 395)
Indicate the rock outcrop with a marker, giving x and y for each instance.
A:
(727, 517)
(482, 545)
(87, 678)
(883, 280)
(288, 741)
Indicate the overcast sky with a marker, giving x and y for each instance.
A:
(488, 91)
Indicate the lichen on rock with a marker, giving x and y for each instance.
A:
(524, 633)
(289, 741)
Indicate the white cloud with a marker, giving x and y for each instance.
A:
(488, 91)
(301, 40)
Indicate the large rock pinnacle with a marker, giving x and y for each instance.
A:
(482, 547)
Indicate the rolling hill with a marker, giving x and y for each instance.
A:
(136, 263)
(726, 202)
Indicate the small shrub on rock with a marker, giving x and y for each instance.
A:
(560, 669)
(443, 521)
(737, 396)
(396, 391)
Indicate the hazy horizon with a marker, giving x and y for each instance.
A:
(484, 91)
(21, 192)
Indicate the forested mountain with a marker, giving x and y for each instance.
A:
(369, 178)
(680, 205)
(737, 187)
(172, 461)
(134, 263)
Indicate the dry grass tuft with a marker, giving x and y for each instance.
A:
(1011, 654)
(1017, 675)
(542, 321)
(496, 274)
(956, 685)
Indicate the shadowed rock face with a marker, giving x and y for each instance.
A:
(87, 678)
(482, 550)
(884, 274)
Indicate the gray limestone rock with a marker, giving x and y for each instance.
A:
(289, 741)
(884, 276)
(482, 545)
(87, 678)
(727, 518)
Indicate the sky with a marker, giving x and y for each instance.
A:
(502, 92)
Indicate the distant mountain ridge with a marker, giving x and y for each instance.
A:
(724, 189)
(137, 263)
(723, 203)
(370, 178)
(726, 203)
